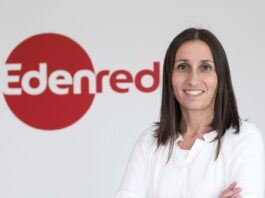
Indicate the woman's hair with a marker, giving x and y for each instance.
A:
(225, 107)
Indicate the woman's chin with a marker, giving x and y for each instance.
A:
(194, 107)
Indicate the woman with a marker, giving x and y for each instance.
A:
(200, 148)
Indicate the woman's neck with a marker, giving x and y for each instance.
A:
(195, 123)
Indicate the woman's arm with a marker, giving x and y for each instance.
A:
(132, 185)
(247, 165)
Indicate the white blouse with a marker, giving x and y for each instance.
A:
(184, 153)
(197, 175)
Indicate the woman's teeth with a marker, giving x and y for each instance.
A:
(194, 92)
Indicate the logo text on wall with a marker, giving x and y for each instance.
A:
(49, 81)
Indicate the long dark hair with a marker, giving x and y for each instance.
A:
(225, 107)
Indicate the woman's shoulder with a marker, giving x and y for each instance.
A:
(146, 139)
(147, 135)
(248, 132)
(246, 128)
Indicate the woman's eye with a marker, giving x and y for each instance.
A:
(182, 67)
(206, 68)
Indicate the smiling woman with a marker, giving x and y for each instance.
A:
(200, 148)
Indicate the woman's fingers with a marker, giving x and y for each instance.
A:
(232, 185)
(236, 196)
(231, 191)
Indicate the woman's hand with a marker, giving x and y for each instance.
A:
(231, 191)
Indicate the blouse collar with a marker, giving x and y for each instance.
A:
(208, 137)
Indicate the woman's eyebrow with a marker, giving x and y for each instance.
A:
(204, 61)
(186, 60)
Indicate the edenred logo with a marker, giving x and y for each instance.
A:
(49, 81)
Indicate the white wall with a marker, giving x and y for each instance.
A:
(88, 158)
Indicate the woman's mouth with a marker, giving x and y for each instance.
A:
(194, 92)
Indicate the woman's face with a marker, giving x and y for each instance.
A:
(194, 77)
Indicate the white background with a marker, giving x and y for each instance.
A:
(88, 158)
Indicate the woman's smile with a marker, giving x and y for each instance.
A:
(194, 92)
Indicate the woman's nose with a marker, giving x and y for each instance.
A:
(193, 78)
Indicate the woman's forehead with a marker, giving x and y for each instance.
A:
(194, 50)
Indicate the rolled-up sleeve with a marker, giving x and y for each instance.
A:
(133, 181)
(247, 166)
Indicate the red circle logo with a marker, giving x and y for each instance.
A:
(48, 90)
